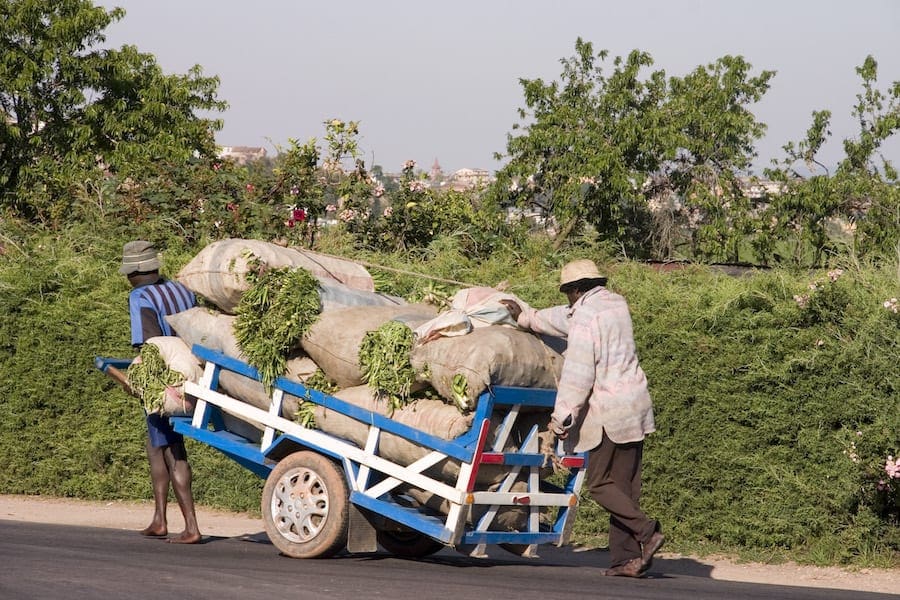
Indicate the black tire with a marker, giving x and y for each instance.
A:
(408, 543)
(305, 506)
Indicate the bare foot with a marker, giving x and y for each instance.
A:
(185, 538)
(155, 531)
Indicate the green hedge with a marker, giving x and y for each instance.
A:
(761, 404)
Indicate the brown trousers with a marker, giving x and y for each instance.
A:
(613, 479)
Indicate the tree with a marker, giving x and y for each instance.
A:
(583, 156)
(72, 110)
(714, 143)
(597, 148)
(862, 193)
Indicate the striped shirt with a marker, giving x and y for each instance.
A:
(148, 305)
(602, 386)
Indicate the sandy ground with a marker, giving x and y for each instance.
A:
(135, 515)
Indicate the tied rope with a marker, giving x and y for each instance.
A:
(394, 270)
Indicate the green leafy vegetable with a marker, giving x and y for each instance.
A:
(306, 409)
(384, 358)
(150, 377)
(273, 315)
(460, 388)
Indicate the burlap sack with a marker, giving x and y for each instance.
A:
(208, 328)
(486, 356)
(507, 518)
(215, 331)
(178, 357)
(430, 416)
(299, 368)
(334, 295)
(334, 340)
(218, 272)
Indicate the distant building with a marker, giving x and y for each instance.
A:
(436, 176)
(755, 188)
(242, 154)
(468, 179)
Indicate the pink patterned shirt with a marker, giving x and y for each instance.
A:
(602, 386)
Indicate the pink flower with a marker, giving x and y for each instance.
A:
(802, 301)
(892, 305)
(298, 214)
(249, 187)
(388, 211)
(330, 208)
(833, 275)
(892, 467)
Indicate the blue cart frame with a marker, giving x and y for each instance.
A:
(373, 480)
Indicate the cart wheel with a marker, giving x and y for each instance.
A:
(305, 506)
(407, 543)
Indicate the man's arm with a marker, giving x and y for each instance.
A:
(576, 383)
(552, 321)
(120, 378)
(144, 319)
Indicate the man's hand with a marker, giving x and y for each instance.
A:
(513, 307)
(558, 429)
(547, 442)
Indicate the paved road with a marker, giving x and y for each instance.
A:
(49, 562)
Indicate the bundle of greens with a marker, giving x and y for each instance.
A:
(384, 358)
(273, 315)
(306, 409)
(150, 377)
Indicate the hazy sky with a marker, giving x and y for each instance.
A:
(440, 80)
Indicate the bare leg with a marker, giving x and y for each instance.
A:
(159, 478)
(182, 477)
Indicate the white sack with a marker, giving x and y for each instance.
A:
(219, 271)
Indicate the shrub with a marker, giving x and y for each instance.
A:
(758, 399)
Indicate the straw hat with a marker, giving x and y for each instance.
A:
(139, 257)
(579, 270)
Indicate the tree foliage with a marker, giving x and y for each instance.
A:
(72, 109)
(598, 148)
(862, 195)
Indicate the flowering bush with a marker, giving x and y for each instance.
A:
(826, 299)
(892, 305)
(892, 469)
(879, 477)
